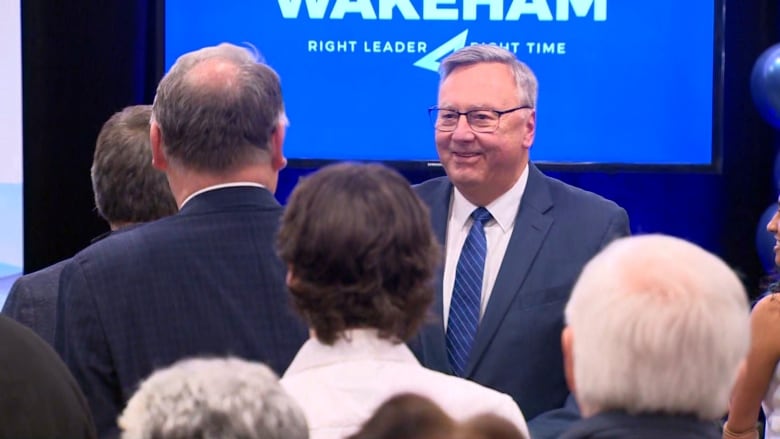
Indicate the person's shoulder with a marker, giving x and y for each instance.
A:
(434, 192)
(466, 397)
(573, 194)
(464, 387)
(38, 285)
(432, 185)
(767, 310)
(44, 275)
(126, 240)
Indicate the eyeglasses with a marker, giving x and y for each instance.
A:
(481, 121)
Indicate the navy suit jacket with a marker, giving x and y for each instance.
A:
(203, 282)
(517, 348)
(32, 300)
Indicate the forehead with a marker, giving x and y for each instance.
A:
(482, 84)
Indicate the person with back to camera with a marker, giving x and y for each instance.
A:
(515, 240)
(128, 191)
(212, 398)
(657, 329)
(411, 416)
(488, 426)
(759, 380)
(39, 399)
(361, 255)
(407, 416)
(206, 281)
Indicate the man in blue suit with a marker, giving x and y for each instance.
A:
(515, 240)
(128, 191)
(203, 282)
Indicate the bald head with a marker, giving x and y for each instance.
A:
(217, 110)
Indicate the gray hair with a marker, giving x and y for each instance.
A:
(126, 186)
(217, 108)
(213, 399)
(525, 80)
(658, 325)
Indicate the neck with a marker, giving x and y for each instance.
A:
(185, 182)
(118, 225)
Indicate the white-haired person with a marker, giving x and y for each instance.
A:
(759, 380)
(656, 330)
(213, 399)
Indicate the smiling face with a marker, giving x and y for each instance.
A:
(484, 165)
(773, 227)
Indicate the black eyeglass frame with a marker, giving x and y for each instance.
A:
(498, 114)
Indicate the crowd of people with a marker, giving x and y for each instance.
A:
(493, 302)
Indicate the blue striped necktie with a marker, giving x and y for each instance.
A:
(467, 293)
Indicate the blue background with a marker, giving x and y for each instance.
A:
(104, 56)
(636, 88)
(11, 236)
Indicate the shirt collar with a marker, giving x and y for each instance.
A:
(503, 209)
(354, 345)
(220, 186)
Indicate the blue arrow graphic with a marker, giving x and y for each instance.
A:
(431, 60)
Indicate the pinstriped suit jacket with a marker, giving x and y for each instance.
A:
(203, 282)
(32, 300)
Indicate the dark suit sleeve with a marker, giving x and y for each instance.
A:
(80, 340)
(15, 304)
(618, 227)
(553, 423)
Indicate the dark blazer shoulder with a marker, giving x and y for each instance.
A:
(573, 208)
(578, 195)
(434, 188)
(224, 202)
(566, 197)
(32, 300)
(38, 284)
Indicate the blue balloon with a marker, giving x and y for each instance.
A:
(765, 85)
(765, 241)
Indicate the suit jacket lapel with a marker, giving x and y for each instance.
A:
(440, 212)
(434, 343)
(531, 227)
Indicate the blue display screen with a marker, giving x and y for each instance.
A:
(620, 81)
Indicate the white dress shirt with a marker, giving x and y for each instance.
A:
(220, 186)
(339, 387)
(497, 232)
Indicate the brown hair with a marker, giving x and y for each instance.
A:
(407, 416)
(361, 251)
(127, 188)
(488, 426)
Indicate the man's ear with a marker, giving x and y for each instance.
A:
(159, 160)
(278, 161)
(290, 278)
(567, 345)
(530, 129)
